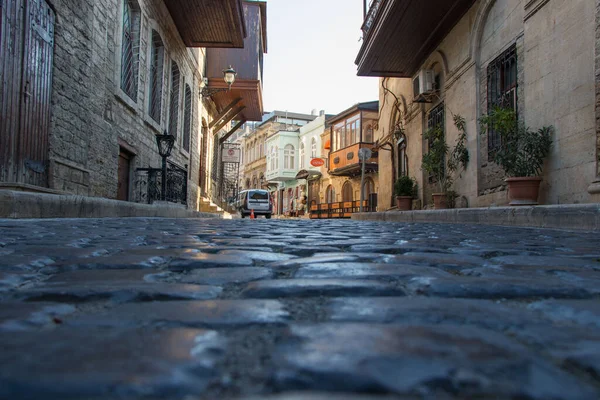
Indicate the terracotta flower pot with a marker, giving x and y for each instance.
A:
(523, 191)
(404, 203)
(440, 201)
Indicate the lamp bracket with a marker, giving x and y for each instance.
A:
(206, 92)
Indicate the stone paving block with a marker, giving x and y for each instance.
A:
(418, 359)
(222, 276)
(105, 275)
(116, 261)
(258, 255)
(498, 288)
(583, 312)
(117, 291)
(441, 260)
(108, 364)
(544, 261)
(318, 287)
(17, 316)
(326, 396)
(425, 310)
(208, 261)
(196, 314)
(366, 270)
(306, 251)
(10, 280)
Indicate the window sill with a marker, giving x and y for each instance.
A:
(126, 100)
(153, 124)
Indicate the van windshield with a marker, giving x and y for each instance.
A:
(259, 195)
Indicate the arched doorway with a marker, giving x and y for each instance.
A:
(330, 194)
(370, 194)
(347, 193)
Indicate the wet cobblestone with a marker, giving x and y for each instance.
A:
(296, 309)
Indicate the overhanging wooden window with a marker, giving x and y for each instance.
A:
(157, 59)
(174, 102)
(502, 89)
(130, 49)
(187, 118)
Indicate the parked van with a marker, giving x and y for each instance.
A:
(255, 199)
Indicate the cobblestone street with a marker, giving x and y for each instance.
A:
(245, 309)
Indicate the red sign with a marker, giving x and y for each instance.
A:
(317, 162)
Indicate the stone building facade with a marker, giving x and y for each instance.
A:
(121, 72)
(594, 188)
(550, 44)
(94, 122)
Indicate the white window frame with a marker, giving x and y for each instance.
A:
(136, 105)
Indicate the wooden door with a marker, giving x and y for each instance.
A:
(124, 174)
(26, 57)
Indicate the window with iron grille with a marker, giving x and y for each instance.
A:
(130, 49)
(174, 102)
(434, 119)
(187, 118)
(502, 90)
(157, 59)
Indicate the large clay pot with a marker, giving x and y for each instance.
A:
(440, 201)
(524, 191)
(404, 203)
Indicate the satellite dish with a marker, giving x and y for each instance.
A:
(364, 154)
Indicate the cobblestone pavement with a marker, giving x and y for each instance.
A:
(257, 309)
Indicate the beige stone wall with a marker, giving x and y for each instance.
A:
(555, 50)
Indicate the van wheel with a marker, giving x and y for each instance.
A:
(268, 216)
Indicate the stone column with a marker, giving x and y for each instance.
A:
(594, 188)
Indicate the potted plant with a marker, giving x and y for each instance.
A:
(521, 154)
(443, 163)
(405, 190)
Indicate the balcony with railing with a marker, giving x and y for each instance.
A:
(371, 14)
(399, 35)
(244, 101)
(209, 23)
(345, 162)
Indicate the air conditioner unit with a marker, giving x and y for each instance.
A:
(424, 82)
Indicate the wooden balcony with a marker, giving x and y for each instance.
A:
(209, 23)
(425, 22)
(345, 162)
(246, 93)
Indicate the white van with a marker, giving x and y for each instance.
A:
(255, 199)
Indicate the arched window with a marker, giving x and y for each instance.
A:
(302, 155)
(347, 194)
(248, 183)
(369, 187)
(313, 148)
(402, 156)
(174, 101)
(130, 49)
(254, 183)
(288, 157)
(276, 157)
(157, 60)
(187, 118)
(330, 194)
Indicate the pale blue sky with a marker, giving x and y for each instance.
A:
(312, 45)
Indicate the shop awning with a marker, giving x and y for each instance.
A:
(306, 174)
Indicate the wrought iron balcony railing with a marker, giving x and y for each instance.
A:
(370, 19)
(149, 180)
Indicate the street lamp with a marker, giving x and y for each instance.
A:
(229, 75)
(165, 144)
